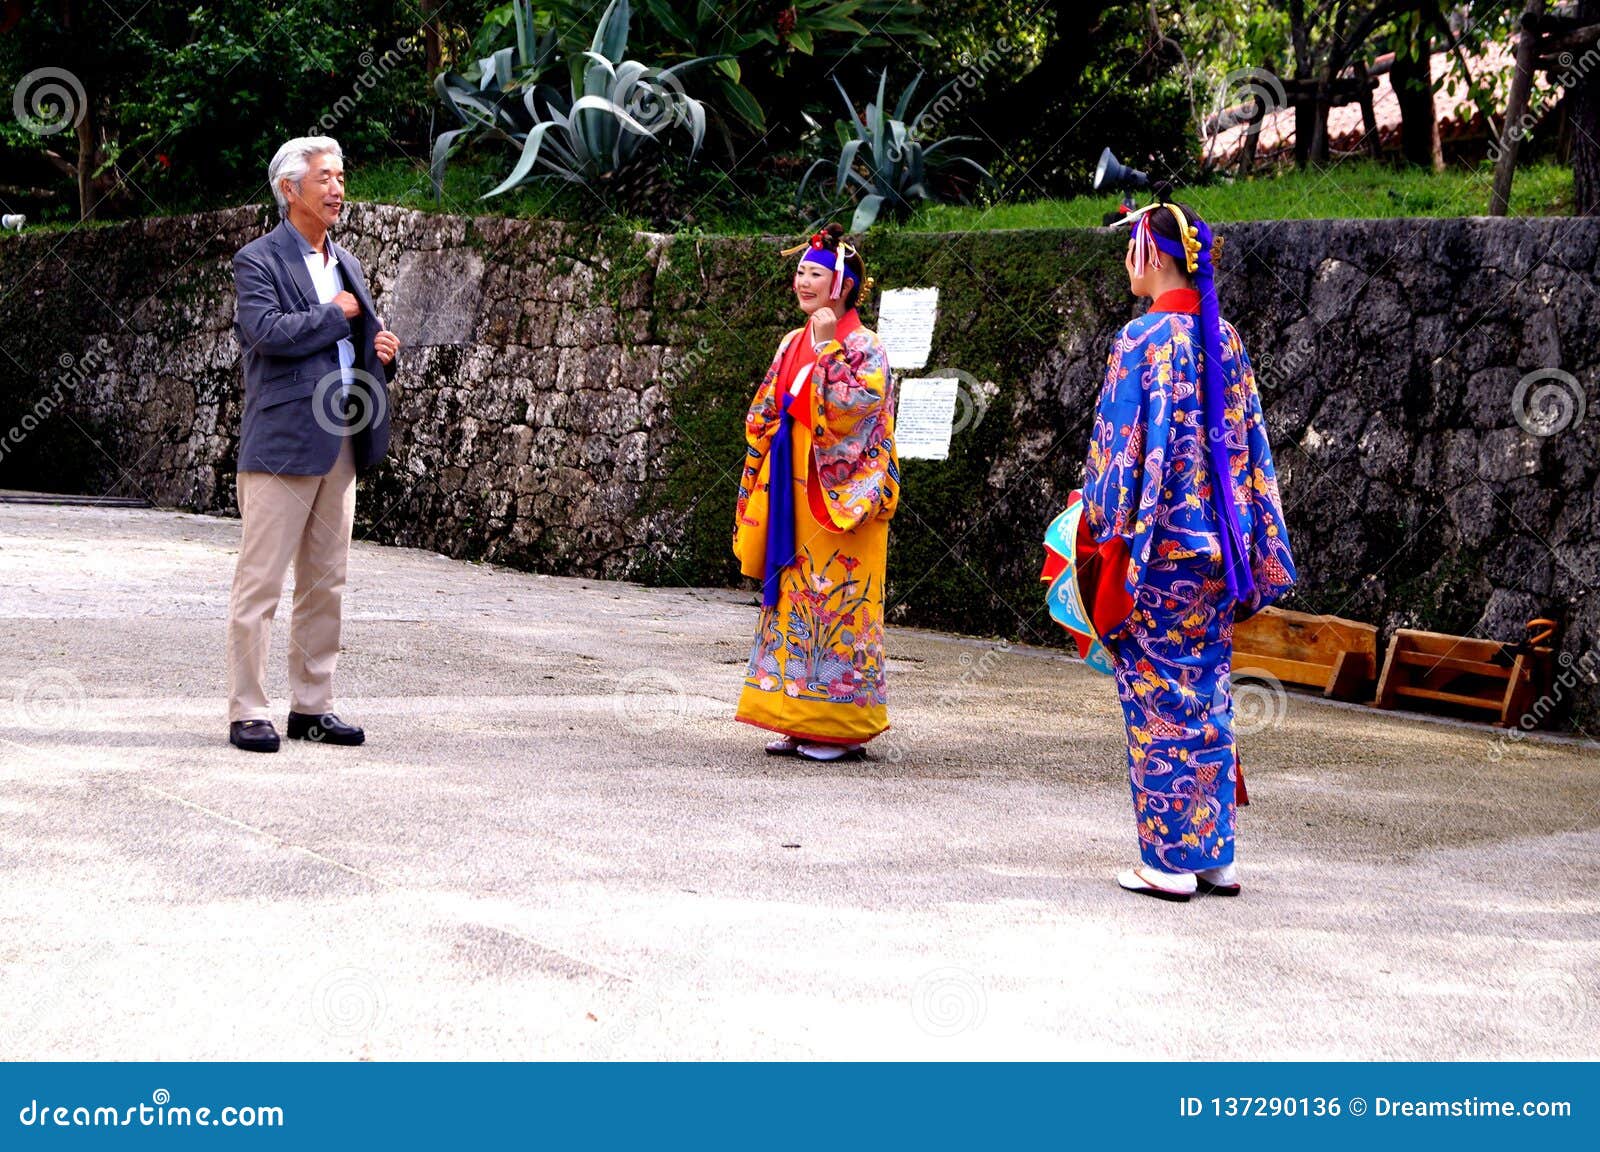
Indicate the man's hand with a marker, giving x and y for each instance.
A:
(348, 304)
(386, 343)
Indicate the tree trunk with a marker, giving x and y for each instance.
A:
(1585, 112)
(1412, 78)
(1505, 165)
(1305, 121)
(1304, 130)
(86, 197)
(1252, 134)
(432, 54)
(1369, 117)
(86, 128)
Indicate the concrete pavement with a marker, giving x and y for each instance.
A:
(557, 844)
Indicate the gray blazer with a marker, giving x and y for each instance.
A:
(290, 344)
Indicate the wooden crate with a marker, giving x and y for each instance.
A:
(1338, 656)
(1484, 676)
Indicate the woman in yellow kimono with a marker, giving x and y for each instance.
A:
(820, 483)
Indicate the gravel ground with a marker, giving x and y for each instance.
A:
(557, 844)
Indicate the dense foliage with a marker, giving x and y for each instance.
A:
(169, 106)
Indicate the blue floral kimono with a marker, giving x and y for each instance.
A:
(1148, 480)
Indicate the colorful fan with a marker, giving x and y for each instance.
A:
(1082, 598)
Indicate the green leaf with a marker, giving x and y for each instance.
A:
(976, 167)
(866, 213)
(804, 180)
(802, 42)
(743, 105)
(525, 162)
(905, 98)
(666, 15)
(855, 123)
(502, 66)
(837, 24)
(847, 157)
(688, 64)
(611, 36)
(441, 152)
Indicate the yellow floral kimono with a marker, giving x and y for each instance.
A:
(817, 669)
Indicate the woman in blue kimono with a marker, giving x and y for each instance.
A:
(1178, 410)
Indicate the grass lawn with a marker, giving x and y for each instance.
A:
(760, 202)
(1355, 189)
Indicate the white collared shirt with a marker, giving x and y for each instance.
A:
(325, 279)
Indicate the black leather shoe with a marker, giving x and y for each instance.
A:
(324, 729)
(253, 735)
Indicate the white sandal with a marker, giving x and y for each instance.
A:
(784, 746)
(828, 752)
(1161, 885)
(1222, 881)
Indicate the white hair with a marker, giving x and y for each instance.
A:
(292, 162)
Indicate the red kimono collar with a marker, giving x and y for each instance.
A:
(1177, 300)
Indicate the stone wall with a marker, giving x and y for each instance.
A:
(571, 399)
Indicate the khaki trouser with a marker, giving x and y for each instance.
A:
(306, 520)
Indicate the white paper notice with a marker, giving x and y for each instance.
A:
(905, 325)
(925, 417)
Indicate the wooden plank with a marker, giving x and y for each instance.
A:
(1508, 707)
(1353, 674)
(1389, 681)
(1430, 666)
(1302, 636)
(1454, 664)
(1441, 644)
(1289, 671)
(1410, 692)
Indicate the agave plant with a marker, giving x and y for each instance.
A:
(756, 43)
(887, 162)
(615, 112)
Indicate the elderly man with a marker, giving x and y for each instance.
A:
(317, 363)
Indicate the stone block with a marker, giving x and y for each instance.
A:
(436, 297)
